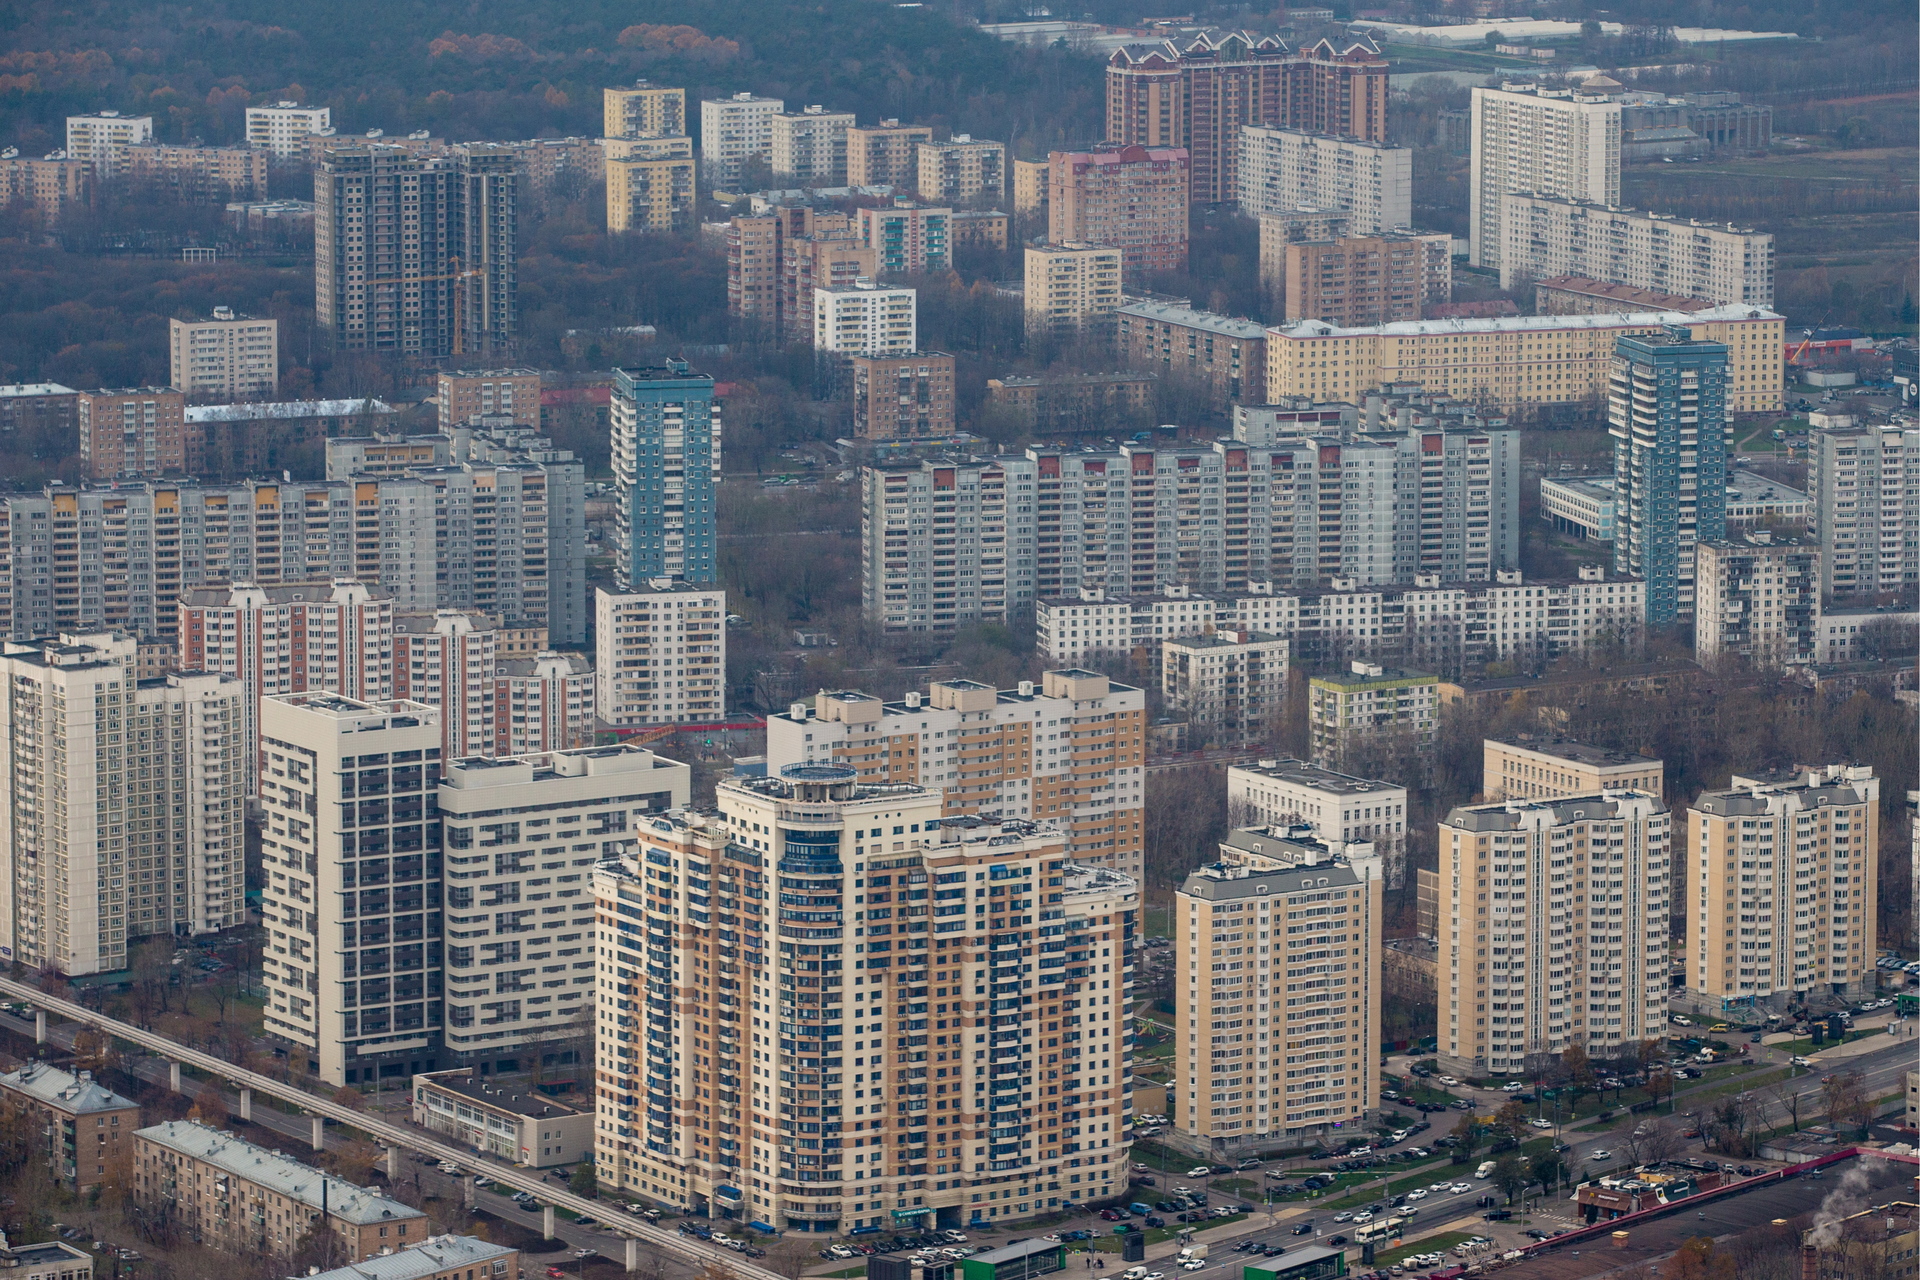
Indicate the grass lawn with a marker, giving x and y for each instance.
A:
(1803, 1047)
(1158, 922)
(1431, 1244)
(1111, 1243)
(845, 1272)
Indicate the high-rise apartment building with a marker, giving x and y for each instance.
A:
(1068, 751)
(1031, 182)
(1290, 227)
(1231, 685)
(490, 704)
(1366, 280)
(666, 469)
(651, 184)
(1756, 596)
(943, 546)
(866, 319)
(1782, 899)
(1508, 362)
(124, 803)
(734, 131)
(873, 1002)
(1671, 421)
(827, 258)
(102, 139)
(1277, 984)
(463, 394)
(1553, 926)
(810, 147)
(1543, 237)
(660, 653)
(776, 258)
(1527, 768)
(1130, 198)
(283, 128)
(1349, 710)
(885, 154)
(907, 239)
(1199, 91)
(1225, 355)
(519, 891)
(1283, 170)
(1562, 143)
(231, 356)
(1865, 487)
(644, 110)
(902, 397)
(130, 432)
(1071, 287)
(443, 282)
(961, 169)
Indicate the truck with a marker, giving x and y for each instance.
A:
(1486, 1168)
(1193, 1253)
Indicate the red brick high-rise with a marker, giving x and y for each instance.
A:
(1131, 198)
(1196, 93)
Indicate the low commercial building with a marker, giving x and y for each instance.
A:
(1552, 768)
(1368, 703)
(1071, 402)
(439, 1258)
(1583, 507)
(49, 1260)
(1862, 634)
(1226, 354)
(86, 1127)
(502, 1121)
(1647, 1187)
(1338, 806)
(228, 1194)
(1754, 499)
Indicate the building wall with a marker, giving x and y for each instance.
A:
(1227, 356)
(236, 356)
(961, 169)
(666, 467)
(734, 130)
(1517, 771)
(907, 240)
(1282, 229)
(810, 148)
(126, 433)
(1864, 483)
(102, 140)
(1367, 280)
(1544, 236)
(885, 154)
(1282, 170)
(1554, 143)
(660, 654)
(1133, 198)
(650, 193)
(1071, 287)
(866, 319)
(464, 393)
(645, 110)
(52, 186)
(903, 397)
(1344, 712)
(1757, 600)
(281, 127)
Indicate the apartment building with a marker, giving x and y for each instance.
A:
(229, 355)
(1862, 634)
(36, 407)
(1864, 483)
(233, 1196)
(129, 432)
(1756, 596)
(1015, 1127)
(1558, 143)
(87, 1128)
(1577, 295)
(941, 545)
(1069, 751)
(447, 1257)
(1281, 229)
(827, 259)
(1367, 280)
(1812, 832)
(1508, 362)
(124, 803)
(282, 129)
(886, 154)
(197, 174)
(1548, 236)
(1225, 355)
(1338, 808)
(1448, 627)
(907, 239)
(1032, 180)
(1131, 198)
(1670, 416)
(733, 131)
(1073, 402)
(1071, 287)
(490, 704)
(643, 110)
(960, 170)
(527, 1128)
(102, 139)
(809, 148)
(1283, 170)
(1230, 685)
(1277, 984)
(1199, 91)
(660, 653)
(1547, 768)
(544, 162)
(774, 260)
(464, 394)
(652, 184)
(866, 318)
(53, 183)
(904, 397)
(519, 898)
(1550, 960)
(1350, 711)
(666, 468)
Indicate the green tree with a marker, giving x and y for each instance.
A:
(1511, 1174)
(1466, 1134)
(585, 1180)
(1547, 1169)
(1510, 1123)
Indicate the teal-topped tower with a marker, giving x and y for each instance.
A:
(666, 473)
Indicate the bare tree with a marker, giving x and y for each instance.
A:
(1653, 1141)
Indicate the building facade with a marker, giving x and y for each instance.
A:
(1230, 685)
(1225, 355)
(1758, 597)
(651, 185)
(644, 110)
(660, 652)
(961, 170)
(1544, 237)
(666, 470)
(1133, 198)
(810, 147)
(1367, 280)
(1864, 483)
(1346, 711)
(463, 394)
(524, 1128)
(196, 174)
(1283, 170)
(733, 131)
(885, 154)
(130, 432)
(906, 239)
(1071, 288)
(1280, 230)
(1556, 867)
(1339, 808)
(230, 356)
(102, 140)
(1529, 768)
(1795, 917)
(282, 128)
(34, 408)
(87, 1127)
(902, 397)
(1670, 417)
(1069, 751)
(53, 183)
(866, 319)
(1577, 295)
(1562, 143)
(987, 1141)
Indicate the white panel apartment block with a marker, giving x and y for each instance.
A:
(1283, 171)
(1556, 142)
(1548, 236)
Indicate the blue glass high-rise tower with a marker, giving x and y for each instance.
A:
(666, 472)
(1668, 414)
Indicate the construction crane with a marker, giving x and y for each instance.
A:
(459, 279)
(1793, 357)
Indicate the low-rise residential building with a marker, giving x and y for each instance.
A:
(660, 654)
(1879, 1240)
(1225, 354)
(985, 228)
(1368, 704)
(504, 1121)
(1553, 768)
(130, 432)
(963, 168)
(53, 183)
(903, 397)
(39, 407)
(86, 1128)
(1071, 287)
(1231, 685)
(228, 1194)
(1072, 402)
(231, 356)
(196, 174)
(438, 1258)
(1758, 597)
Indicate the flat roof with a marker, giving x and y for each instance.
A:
(1576, 752)
(428, 1258)
(1302, 773)
(1523, 324)
(286, 409)
(463, 1082)
(1021, 1249)
(1187, 317)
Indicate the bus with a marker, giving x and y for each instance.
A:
(1383, 1229)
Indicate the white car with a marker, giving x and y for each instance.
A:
(1362, 1217)
(1513, 1086)
(1538, 1123)
(1600, 1155)
(1345, 1215)
(1420, 1193)
(1449, 1081)
(1199, 1172)
(1401, 1135)
(448, 1166)
(1195, 1265)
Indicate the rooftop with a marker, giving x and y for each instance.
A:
(286, 409)
(1506, 815)
(63, 1091)
(1523, 324)
(36, 389)
(1301, 773)
(464, 1082)
(277, 1173)
(1366, 673)
(1223, 882)
(1648, 299)
(1576, 752)
(428, 1258)
(1187, 317)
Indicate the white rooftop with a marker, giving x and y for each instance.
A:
(428, 1258)
(1523, 324)
(278, 1173)
(64, 1091)
(1212, 322)
(286, 409)
(37, 389)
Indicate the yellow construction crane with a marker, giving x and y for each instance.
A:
(459, 279)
